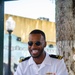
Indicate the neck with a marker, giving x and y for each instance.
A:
(40, 59)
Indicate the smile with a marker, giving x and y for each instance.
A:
(34, 51)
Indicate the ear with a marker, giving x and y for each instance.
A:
(45, 44)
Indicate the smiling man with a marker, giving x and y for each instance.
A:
(40, 62)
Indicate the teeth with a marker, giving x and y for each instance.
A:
(34, 51)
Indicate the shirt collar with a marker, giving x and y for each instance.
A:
(31, 61)
(46, 61)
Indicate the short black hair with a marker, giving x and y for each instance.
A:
(37, 31)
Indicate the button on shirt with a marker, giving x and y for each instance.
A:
(49, 65)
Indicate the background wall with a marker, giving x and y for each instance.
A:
(25, 25)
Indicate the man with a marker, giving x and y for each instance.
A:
(40, 62)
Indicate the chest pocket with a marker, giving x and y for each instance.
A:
(47, 70)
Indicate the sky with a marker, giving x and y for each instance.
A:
(31, 8)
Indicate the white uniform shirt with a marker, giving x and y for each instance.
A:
(49, 65)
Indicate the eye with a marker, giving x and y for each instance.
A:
(30, 43)
(38, 43)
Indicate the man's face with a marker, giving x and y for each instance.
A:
(37, 44)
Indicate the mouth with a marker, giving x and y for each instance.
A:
(35, 51)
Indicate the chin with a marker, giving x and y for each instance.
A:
(34, 56)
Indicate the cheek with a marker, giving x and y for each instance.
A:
(43, 44)
(29, 47)
(41, 47)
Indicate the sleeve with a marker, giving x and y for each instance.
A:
(61, 68)
(19, 70)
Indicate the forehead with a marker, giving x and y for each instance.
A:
(36, 37)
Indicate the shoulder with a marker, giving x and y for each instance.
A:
(56, 56)
(21, 60)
